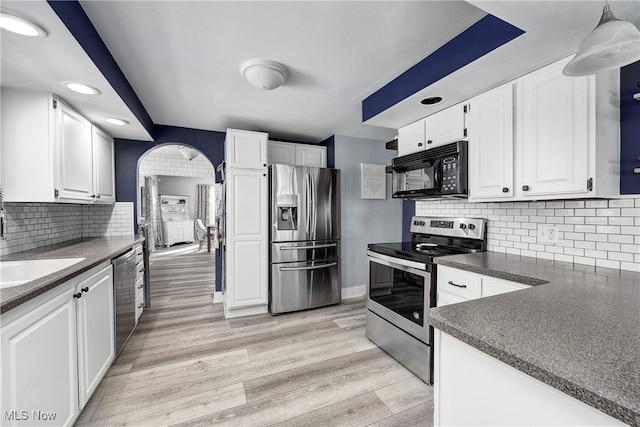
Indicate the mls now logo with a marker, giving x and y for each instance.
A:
(29, 415)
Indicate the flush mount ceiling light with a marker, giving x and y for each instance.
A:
(264, 74)
(21, 26)
(612, 44)
(187, 152)
(432, 100)
(116, 121)
(81, 88)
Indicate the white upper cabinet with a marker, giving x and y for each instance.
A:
(310, 155)
(289, 153)
(445, 126)
(50, 153)
(74, 166)
(557, 137)
(412, 138)
(282, 153)
(104, 186)
(440, 128)
(553, 131)
(491, 144)
(244, 149)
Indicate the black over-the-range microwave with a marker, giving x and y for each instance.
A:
(437, 172)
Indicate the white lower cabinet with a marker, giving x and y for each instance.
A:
(95, 329)
(454, 286)
(472, 388)
(55, 350)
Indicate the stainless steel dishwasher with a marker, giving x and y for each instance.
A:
(124, 279)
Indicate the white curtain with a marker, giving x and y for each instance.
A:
(151, 211)
(203, 203)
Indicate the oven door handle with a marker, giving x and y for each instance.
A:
(310, 267)
(403, 264)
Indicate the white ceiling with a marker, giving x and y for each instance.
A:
(182, 58)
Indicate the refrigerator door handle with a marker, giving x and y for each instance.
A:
(297, 248)
(307, 193)
(311, 267)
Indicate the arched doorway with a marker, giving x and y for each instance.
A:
(176, 173)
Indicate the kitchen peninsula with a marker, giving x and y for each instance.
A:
(575, 330)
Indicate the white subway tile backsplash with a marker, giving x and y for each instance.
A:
(32, 225)
(591, 232)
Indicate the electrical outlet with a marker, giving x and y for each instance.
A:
(548, 234)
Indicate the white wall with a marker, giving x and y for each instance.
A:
(363, 221)
(603, 233)
(167, 160)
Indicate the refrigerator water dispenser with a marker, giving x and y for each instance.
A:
(287, 217)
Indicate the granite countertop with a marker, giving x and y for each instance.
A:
(577, 328)
(95, 251)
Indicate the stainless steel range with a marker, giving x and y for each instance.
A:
(402, 286)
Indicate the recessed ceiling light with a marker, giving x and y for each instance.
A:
(115, 121)
(81, 88)
(432, 100)
(21, 26)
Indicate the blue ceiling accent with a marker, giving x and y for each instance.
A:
(79, 24)
(476, 41)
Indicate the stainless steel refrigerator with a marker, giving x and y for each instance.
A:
(304, 238)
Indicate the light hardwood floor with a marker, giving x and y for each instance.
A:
(185, 364)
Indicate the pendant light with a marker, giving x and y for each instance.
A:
(612, 44)
(187, 152)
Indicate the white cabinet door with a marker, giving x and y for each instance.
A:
(445, 126)
(244, 149)
(246, 240)
(412, 138)
(95, 325)
(491, 144)
(104, 187)
(445, 298)
(309, 155)
(74, 159)
(283, 153)
(553, 132)
(27, 142)
(39, 373)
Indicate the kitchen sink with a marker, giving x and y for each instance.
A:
(14, 273)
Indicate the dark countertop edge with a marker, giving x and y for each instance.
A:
(498, 274)
(73, 270)
(617, 410)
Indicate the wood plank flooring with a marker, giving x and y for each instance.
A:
(187, 365)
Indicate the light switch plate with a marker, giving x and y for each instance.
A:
(548, 234)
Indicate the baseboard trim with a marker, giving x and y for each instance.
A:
(217, 297)
(354, 292)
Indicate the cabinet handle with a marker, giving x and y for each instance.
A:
(97, 196)
(429, 142)
(141, 270)
(78, 295)
(85, 289)
(264, 164)
(419, 144)
(141, 305)
(505, 189)
(141, 286)
(525, 188)
(456, 285)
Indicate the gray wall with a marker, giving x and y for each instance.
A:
(182, 186)
(363, 221)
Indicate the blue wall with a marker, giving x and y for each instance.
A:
(629, 129)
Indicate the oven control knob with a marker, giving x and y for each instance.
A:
(463, 226)
(472, 227)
